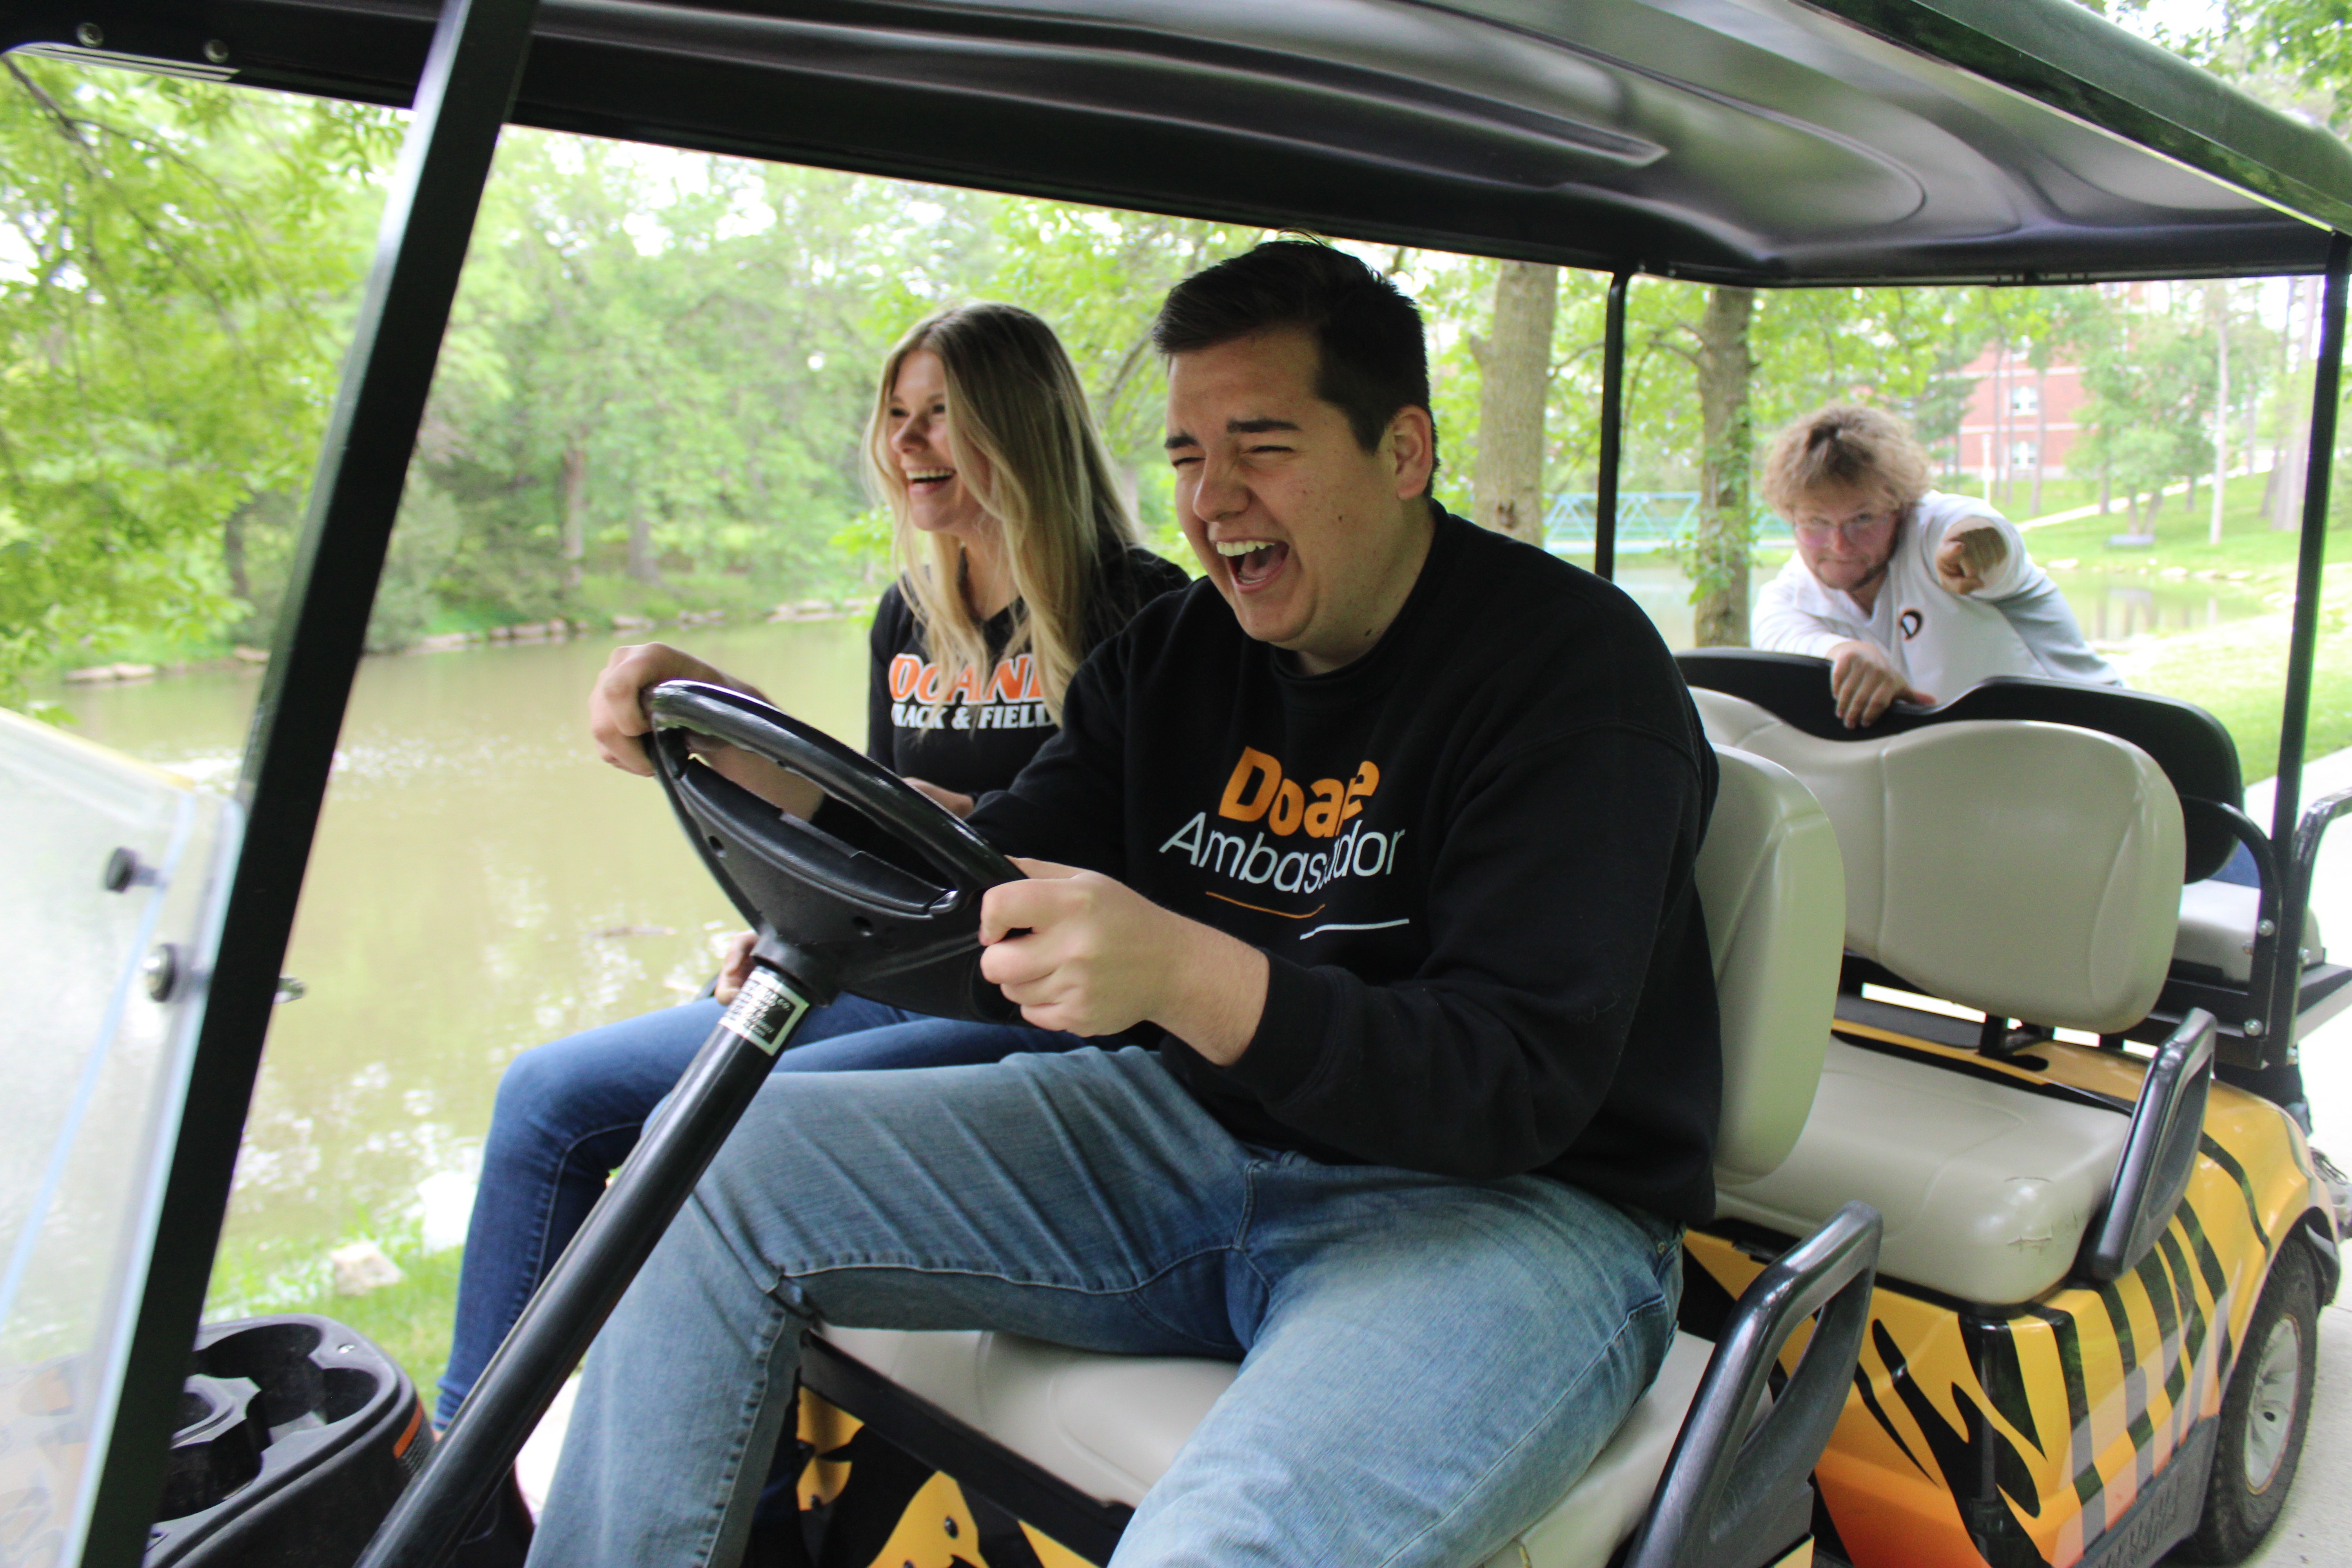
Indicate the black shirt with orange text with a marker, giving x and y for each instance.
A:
(970, 730)
(1469, 856)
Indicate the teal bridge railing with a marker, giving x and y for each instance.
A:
(1646, 521)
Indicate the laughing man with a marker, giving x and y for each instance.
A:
(1369, 863)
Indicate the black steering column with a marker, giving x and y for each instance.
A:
(830, 918)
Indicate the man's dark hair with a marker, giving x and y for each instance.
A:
(1371, 357)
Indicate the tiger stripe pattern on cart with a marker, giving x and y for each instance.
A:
(2023, 1436)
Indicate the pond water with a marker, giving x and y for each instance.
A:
(482, 883)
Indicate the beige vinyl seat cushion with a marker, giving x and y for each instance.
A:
(1768, 879)
(2027, 871)
(2217, 929)
(1985, 1190)
(1110, 1425)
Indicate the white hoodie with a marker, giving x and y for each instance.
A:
(1942, 643)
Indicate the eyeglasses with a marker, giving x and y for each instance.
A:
(1861, 525)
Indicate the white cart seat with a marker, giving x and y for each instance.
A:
(2217, 929)
(2028, 871)
(1768, 879)
(1985, 1190)
(1110, 1425)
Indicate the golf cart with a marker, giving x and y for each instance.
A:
(2073, 1350)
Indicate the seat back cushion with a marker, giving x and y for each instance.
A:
(2030, 870)
(1770, 882)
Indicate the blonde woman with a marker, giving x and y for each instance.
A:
(1017, 556)
(1015, 553)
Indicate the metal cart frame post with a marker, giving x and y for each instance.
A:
(461, 104)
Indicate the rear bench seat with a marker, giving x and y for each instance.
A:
(1110, 1425)
(2217, 929)
(2215, 926)
(2031, 871)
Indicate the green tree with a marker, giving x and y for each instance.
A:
(180, 262)
(1099, 276)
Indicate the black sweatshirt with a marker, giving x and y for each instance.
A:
(973, 736)
(1467, 855)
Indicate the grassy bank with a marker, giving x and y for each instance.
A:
(2237, 671)
(410, 1321)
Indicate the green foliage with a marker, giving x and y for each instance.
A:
(659, 368)
(2150, 369)
(652, 390)
(423, 541)
(1099, 276)
(411, 1321)
(176, 262)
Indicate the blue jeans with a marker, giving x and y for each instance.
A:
(568, 1113)
(1427, 1362)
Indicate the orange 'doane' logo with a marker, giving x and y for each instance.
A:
(1011, 697)
(1259, 801)
(1257, 789)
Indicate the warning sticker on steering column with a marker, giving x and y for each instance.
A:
(764, 1011)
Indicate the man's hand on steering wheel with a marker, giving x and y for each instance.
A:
(1864, 684)
(1081, 952)
(617, 713)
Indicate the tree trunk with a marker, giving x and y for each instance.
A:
(240, 585)
(2288, 472)
(576, 515)
(2285, 495)
(1718, 565)
(2220, 407)
(642, 568)
(1514, 376)
(2001, 486)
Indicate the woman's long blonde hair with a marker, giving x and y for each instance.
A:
(1017, 415)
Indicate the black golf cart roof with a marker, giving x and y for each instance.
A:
(1758, 141)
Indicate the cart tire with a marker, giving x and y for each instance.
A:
(2264, 1416)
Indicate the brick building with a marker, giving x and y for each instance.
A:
(2018, 419)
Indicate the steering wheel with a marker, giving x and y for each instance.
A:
(850, 920)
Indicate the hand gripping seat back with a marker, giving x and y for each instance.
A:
(1773, 892)
(2030, 870)
(1110, 1425)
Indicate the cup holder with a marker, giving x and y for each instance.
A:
(218, 1447)
(276, 1359)
(294, 1436)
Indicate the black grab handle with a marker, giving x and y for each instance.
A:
(1736, 1487)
